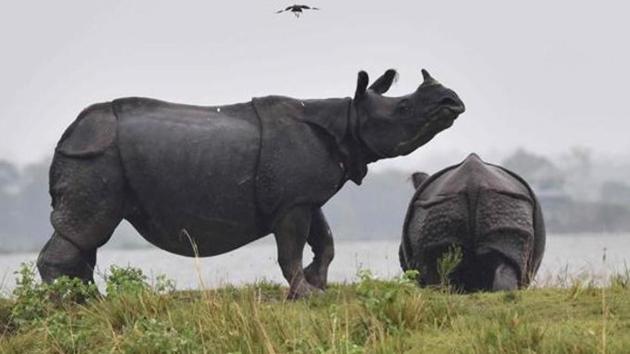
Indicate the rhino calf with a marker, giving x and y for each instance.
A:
(201, 181)
(488, 212)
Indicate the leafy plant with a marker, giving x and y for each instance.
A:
(447, 264)
(127, 280)
(164, 285)
(30, 297)
(34, 301)
(383, 298)
(151, 335)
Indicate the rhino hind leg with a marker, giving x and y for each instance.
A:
(87, 206)
(321, 241)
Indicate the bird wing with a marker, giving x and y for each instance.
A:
(297, 8)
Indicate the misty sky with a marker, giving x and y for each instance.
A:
(545, 75)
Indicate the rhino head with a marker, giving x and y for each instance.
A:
(395, 126)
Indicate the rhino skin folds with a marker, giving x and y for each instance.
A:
(204, 180)
(489, 212)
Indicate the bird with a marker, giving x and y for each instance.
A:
(297, 9)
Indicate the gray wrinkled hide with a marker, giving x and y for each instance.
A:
(245, 164)
(290, 137)
(165, 146)
(485, 209)
(204, 180)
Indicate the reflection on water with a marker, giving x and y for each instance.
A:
(564, 256)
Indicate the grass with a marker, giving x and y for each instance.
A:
(370, 316)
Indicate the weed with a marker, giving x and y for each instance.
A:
(371, 316)
(447, 264)
(125, 281)
(164, 285)
(151, 335)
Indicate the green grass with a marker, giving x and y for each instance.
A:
(370, 316)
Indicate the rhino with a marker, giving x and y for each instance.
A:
(490, 213)
(204, 180)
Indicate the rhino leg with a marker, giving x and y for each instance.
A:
(291, 233)
(321, 241)
(87, 197)
(61, 257)
(505, 278)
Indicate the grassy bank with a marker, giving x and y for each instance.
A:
(371, 316)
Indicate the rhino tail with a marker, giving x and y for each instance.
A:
(91, 133)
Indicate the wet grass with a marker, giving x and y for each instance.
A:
(370, 316)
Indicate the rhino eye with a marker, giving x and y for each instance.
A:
(404, 107)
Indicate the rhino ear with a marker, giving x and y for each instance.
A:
(417, 178)
(383, 83)
(362, 82)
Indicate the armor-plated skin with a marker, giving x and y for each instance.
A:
(205, 180)
(487, 211)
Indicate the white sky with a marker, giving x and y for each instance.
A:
(545, 75)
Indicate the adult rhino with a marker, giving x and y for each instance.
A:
(486, 210)
(202, 181)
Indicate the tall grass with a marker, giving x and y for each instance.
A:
(370, 316)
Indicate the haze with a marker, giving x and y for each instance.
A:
(541, 75)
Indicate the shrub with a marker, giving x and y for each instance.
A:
(150, 335)
(447, 264)
(127, 280)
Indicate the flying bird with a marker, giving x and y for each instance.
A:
(297, 9)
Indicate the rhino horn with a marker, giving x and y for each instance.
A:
(428, 79)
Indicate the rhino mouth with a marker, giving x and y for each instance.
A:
(442, 119)
(453, 105)
(448, 108)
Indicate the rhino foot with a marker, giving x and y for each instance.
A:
(505, 278)
(302, 290)
(315, 277)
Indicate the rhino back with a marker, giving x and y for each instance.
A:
(476, 205)
(191, 168)
(470, 177)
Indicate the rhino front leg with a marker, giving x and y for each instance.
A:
(291, 234)
(321, 241)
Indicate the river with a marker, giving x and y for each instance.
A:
(566, 257)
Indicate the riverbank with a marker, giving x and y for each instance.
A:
(370, 316)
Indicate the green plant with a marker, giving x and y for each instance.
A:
(65, 290)
(68, 333)
(510, 334)
(383, 299)
(34, 301)
(127, 280)
(30, 297)
(164, 285)
(151, 335)
(447, 263)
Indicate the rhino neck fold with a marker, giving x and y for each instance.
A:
(335, 117)
(356, 154)
(368, 154)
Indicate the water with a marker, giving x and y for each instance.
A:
(565, 256)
